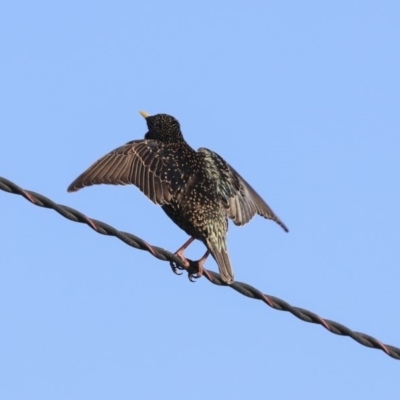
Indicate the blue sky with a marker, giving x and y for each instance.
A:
(302, 98)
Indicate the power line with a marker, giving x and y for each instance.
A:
(164, 255)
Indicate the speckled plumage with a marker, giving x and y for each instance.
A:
(198, 190)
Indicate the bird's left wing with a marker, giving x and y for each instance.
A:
(238, 197)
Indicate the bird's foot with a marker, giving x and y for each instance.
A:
(196, 268)
(195, 271)
(175, 267)
(193, 268)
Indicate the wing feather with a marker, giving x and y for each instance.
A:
(240, 199)
(143, 163)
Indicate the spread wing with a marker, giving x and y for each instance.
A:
(148, 164)
(240, 199)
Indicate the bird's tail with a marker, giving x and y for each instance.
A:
(221, 256)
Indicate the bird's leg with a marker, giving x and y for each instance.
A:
(180, 254)
(200, 268)
(182, 249)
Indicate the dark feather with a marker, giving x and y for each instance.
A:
(144, 163)
(239, 198)
(221, 256)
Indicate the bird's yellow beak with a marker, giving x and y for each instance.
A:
(144, 114)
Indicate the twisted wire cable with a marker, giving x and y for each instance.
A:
(162, 254)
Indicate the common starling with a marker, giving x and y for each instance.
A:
(198, 190)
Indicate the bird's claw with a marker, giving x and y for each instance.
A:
(193, 268)
(195, 271)
(175, 268)
(193, 276)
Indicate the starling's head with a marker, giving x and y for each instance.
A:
(162, 127)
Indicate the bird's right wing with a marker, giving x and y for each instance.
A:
(148, 164)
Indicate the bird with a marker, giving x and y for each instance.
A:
(198, 190)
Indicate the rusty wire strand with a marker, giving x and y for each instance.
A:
(213, 277)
